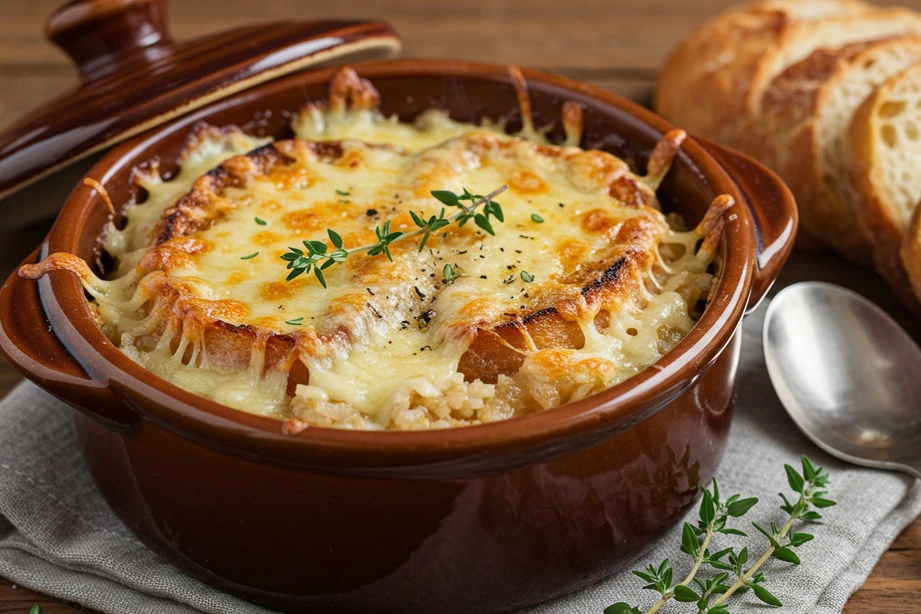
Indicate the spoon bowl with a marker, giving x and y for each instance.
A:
(848, 375)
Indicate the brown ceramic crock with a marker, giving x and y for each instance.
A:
(479, 519)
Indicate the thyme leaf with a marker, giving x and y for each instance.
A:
(315, 256)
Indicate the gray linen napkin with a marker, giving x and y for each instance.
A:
(57, 536)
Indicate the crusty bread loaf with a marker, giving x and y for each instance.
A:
(884, 162)
(714, 83)
(711, 80)
(807, 110)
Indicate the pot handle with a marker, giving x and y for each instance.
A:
(773, 210)
(27, 340)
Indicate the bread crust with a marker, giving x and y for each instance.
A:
(895, 249)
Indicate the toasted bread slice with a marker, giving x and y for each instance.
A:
(808, 109)
(884, 165)
(714, 82)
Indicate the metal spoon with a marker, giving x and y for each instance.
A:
(848, 374)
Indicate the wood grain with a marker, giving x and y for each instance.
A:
(616, 44)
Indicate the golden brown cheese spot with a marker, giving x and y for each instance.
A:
(362, 268)
(228, 310)
(266, 322)
(203, 310)
(596, 168)
(239, 168)
(165, 258)
(422, 189)
(277, 290)
(638, 230)
(552, 360)
(266, 237)
(568, 362)
(595, 367)
(190, 245)
(572, 252)
(598, 220)
(292, 177)
(235, 278)
(480, 311)
(245, 200)
(526, 182)
(303, 220)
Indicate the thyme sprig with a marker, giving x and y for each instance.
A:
(316, 256)
(710, 594)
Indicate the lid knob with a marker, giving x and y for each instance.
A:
(96, 33)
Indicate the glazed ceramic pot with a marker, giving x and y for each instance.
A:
(478, 519)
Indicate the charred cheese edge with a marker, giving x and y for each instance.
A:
(394, 345)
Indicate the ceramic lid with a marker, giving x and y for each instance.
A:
(134, 76)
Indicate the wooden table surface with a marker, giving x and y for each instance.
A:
(617, 44)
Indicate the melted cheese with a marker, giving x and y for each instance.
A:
(394, 344)
(489, 268)
(431, 128)
(206, 149)
(376, 371)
